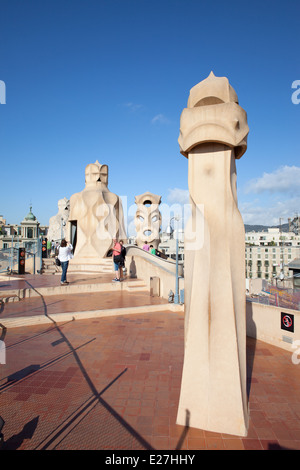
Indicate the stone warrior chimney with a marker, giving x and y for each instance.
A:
(213, 134)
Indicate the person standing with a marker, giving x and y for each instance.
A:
(122, 262)
(117, 257)
(64, 255)
(152, 250)
(56, 249)
(146, 246)
(49, 245)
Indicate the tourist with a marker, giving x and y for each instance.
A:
(64, 255)
(146, 247)
(56, 249)
(117, 257)
(49, 245)
(123, 256)
(152, 250)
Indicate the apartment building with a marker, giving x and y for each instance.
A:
(267, 262)
(268, 253)
(272, 236)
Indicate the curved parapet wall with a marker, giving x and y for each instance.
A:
(166, 264)
(142, 264)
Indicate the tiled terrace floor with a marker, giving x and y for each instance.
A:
(23, 281)
(77, 302)
(114, 382)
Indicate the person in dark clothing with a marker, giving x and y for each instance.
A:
(123, 256)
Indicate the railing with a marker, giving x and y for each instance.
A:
(277, 297)
(9, 257)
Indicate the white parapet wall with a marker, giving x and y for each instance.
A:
(141, 264)
(264, 322)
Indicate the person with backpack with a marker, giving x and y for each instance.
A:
(64, 255)
(117, 258)
(123, 256)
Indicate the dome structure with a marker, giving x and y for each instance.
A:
(30, 226)
(30, 215)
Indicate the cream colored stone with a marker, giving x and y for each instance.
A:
(264, 323)
(147, 219)
(213, 390)
(213, 115)
(98, 214)
(58, 223)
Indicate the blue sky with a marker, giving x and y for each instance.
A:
(107, 80)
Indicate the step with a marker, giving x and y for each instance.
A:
(95, 268)
(9, 298)
(104, 266)
(20, 294)
(17, 322)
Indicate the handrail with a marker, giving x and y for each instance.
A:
(166, 264)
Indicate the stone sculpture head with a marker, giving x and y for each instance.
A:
(63, 205)
(213, 114)
(148, 219)
(96, 175)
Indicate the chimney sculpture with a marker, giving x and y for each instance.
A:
(57, 223)
(213, 134)
(96, 217)
(147, 219)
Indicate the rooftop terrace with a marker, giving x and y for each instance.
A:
(113, 381)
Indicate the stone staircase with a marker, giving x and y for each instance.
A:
(135, 295)
(105, 266)
(19, 294)
(49, 266)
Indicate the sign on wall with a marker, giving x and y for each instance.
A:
(287, 322)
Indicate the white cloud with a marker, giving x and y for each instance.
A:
(132, 106)
(255, 212)
(178, 196)
(277, 197)
(284, 179)
(160, 118)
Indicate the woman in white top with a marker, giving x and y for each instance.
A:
(64, 255)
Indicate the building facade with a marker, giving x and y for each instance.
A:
(268, 254)
(268, 262)
(24, 235)
(272, 236)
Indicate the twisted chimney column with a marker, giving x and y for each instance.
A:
(213, 134)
